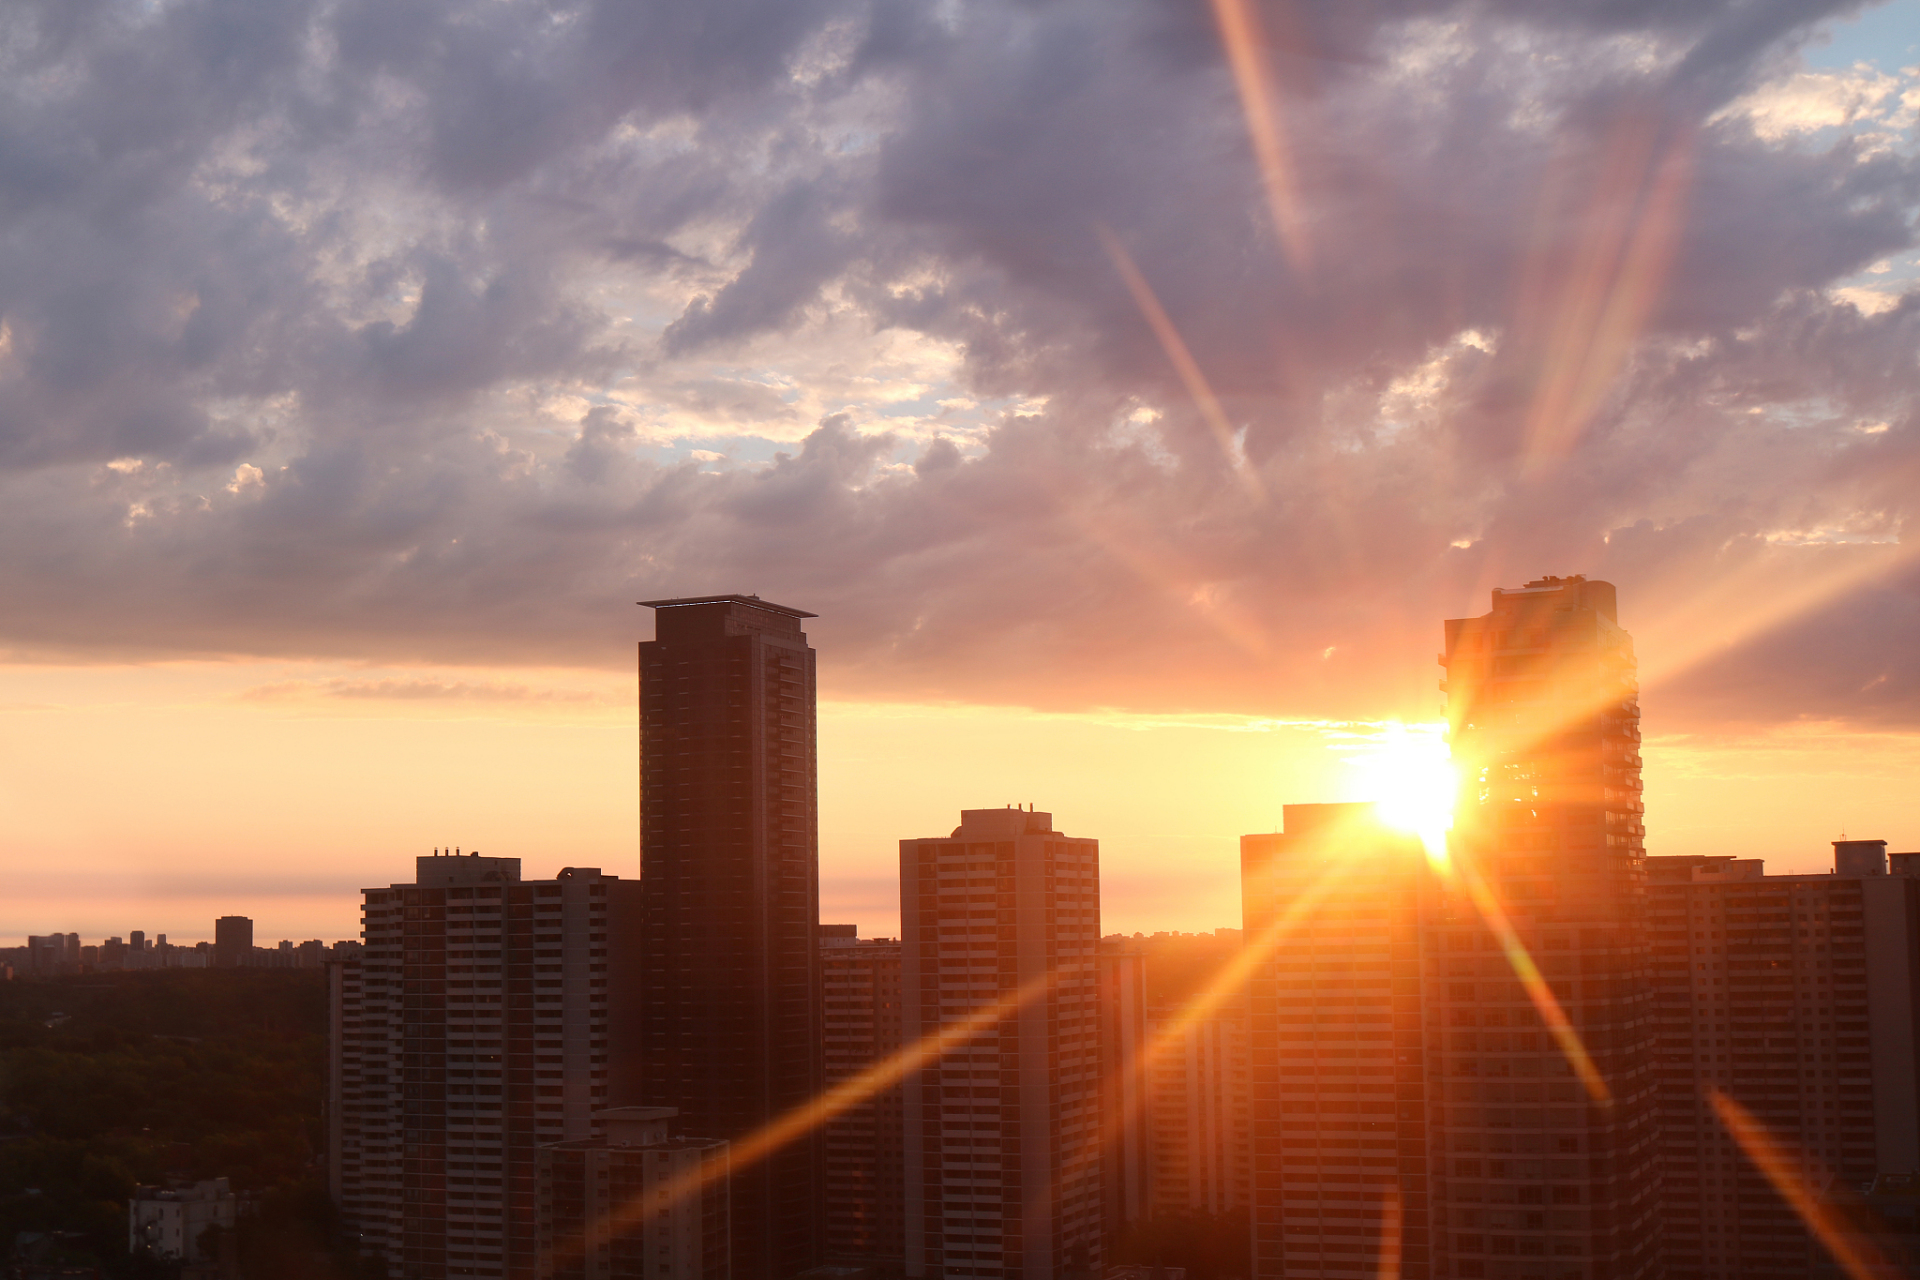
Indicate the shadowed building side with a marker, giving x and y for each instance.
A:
(1000, 921)
(1536, 1168)
(730, 1016)
(1336, 1046)
(1795, 995)
(860, 988)
(614, 1208)
(475, 1029)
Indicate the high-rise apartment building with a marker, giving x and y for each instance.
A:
(636, 1203)
(1337, 1047)
(1196, 1080)
(730, 1016)
(1513, 991)
(1000, 926)
(232, 941)
(487, 1017)
(1545, 1163)
(1796, 996)
(861, 1000)
(1127, 1156)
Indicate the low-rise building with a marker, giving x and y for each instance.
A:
(635, 1203)
(171, 1222)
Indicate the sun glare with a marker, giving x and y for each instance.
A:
(1409, 776)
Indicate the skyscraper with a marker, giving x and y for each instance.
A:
(484, 1020)
(1537, 1167)
(1337, 1036)
(232, 941)
(1796, 995)
(730, 1019)
(1000, 926)
(860, 988)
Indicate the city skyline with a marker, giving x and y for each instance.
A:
(1243, 769)
(332, 461)
(1392, 525)
(1402, 1098)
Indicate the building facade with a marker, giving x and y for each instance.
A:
(1337, 1048)
(1541, 1171)
(170, 1222)
(636, 1203)
(1796, 996)
(1127, 1158)
(1000, 928)
(730, 1016)
(487, 1017)
(861, 1017)
(1196, 1081)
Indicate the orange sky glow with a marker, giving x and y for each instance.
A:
(160, 797)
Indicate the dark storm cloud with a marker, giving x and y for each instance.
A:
(353, 330)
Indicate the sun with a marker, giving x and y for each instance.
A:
(1408, 774)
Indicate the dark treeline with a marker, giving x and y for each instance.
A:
(111, 1080)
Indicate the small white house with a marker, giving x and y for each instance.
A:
(167, 1221)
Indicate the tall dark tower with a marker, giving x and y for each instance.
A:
(729, 867)
(1534, 1166)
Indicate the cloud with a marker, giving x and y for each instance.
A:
(415, 690)
(439, 331)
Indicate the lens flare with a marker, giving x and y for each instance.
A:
(1463, 872)
(842, 1097)
(1391, 1227)
(1243, 36)
(1775, 1159)
(1182, 359)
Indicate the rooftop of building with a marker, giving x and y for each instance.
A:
(663, 1144)
(751, 602)
(998, 824)
(208, 1189)
(1851, 859)
(456, 868)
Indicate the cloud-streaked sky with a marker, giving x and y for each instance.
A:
(361, 362)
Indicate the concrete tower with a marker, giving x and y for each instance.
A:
(730, 1016)
(1000, 929)
(1534, 1167)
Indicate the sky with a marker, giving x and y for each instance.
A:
(1131, 386)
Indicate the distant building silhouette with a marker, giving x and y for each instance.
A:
(232, 941)
(1000, 922)
(488, 1016)
(1796, 995)
(730, 1020)
(633, 1204)
(861, 1001)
